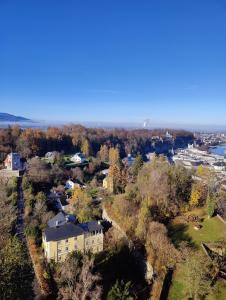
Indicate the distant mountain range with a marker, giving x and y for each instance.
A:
(4, 117)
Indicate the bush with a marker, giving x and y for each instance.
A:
(34, 232)
(13, 198)
(120, 291)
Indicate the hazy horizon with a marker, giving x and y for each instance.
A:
(111, 124)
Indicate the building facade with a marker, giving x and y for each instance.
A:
(13, 162)
(58, 241)
(78, 158)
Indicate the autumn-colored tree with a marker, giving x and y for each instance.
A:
(38, 171)
(54, 133)
(115, 178)
(81, 205)
(104, 153)
(144, 218)
(124, 212)
(203, 172)
(77, 194)
(86, 147)
(161, 252)
(30, 142)
(195, 196)
(118, 174)
(114, 157)
(166, 187)
(78, 174)
(197, 279)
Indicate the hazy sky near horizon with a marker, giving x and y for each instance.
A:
(114, 60)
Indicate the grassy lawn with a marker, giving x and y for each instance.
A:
(177, 288)
(212, 230)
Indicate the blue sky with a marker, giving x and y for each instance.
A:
(114, 60)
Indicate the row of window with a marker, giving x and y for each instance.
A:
(66, 250)
(87, 241)
(66, 241)
(96, 232)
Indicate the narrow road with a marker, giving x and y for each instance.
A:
(20, 214)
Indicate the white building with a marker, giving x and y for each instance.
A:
(51, 156)
(105, 172)
(78, 158)
(70, 185)
(129, 160)
(13, 162)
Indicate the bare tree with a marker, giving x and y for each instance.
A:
(78, 280)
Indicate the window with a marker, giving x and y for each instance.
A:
(75, 238)
(66, 241)
(66, 249)
(59, 251)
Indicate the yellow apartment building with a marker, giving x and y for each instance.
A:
(58, 241)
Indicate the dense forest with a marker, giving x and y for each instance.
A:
(31, 142)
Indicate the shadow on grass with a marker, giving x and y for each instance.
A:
(119, 264)
(166, 285)
(178, 233)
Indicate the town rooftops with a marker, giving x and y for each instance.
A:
(69, 230)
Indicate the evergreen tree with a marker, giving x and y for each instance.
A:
(120, 291)
(137, 165)
(210, 205)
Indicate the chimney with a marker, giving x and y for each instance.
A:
(57, 223)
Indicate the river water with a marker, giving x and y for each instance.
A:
(219, 150)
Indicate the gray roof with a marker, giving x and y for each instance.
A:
(60, 218)
(62, 232)
(91, 226)
(69, 230)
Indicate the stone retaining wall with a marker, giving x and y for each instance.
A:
(220, 218)
(145, 266)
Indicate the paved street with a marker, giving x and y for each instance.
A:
(20, 214)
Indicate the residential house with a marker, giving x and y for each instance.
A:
(108, 184)
(51, 156)
(70, 185)
(13, 162)
(78, 158)
(58, 241)
(60, 219)
(129, 160)
(13, 166)
(105, 172)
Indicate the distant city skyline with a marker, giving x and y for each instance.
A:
(115, 61)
